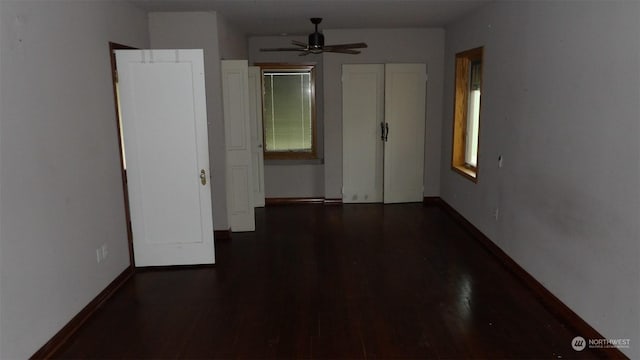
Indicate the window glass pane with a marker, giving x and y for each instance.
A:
(473, 115)
(471, 148)
(287, 111)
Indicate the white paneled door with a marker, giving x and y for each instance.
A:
(164, 124)
(255, 112)
(237, 128)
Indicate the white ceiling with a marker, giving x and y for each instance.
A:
(274, 17)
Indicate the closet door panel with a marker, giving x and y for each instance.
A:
(362, 115)
(405, 97)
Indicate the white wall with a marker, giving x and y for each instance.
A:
(61, 195)
(294, 181)
(293, 178)
(233, 42)
(561, 103)
(385, 46)
(200, 30)
(1, 181)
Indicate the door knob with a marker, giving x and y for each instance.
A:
(203, 177)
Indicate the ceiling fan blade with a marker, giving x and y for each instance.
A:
(341, 51)
(283, 49)
(299, 43)
(360, 45)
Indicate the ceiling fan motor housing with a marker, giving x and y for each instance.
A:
(316, 40)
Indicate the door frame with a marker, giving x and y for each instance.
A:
(125, 188)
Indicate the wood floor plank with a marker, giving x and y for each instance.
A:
(353, 281)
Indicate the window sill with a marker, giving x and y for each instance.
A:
(471, 174)
(290, 155)
(269, 162)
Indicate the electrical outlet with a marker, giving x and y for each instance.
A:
(98, 255)
(105, 251)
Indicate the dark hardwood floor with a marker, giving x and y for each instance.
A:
(314, 281)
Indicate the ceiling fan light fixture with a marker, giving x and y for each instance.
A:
(316, 40)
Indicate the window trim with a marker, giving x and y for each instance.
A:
(463, 61)
(292, 155)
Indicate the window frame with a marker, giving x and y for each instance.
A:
(462, 89)
(292, 155)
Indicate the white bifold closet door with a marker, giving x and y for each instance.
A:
(362, 117)
(383, 132)
(404, 113)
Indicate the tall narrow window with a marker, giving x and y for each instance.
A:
(466, 122)
(288, 106)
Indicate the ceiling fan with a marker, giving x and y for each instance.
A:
(316, 44)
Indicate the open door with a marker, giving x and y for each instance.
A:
(164, 121)
(255, 113)
(237, 129)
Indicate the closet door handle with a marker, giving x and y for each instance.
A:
(386, 132)
(382, 131)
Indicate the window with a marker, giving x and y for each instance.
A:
(288, 108)
(466, 121)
